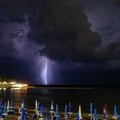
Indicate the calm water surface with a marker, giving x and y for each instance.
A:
(62, 96)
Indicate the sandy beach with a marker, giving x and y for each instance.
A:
(30, 113)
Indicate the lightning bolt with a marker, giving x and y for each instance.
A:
(45, 72)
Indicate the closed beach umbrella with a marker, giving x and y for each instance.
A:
(0, 109)
(52, 106)
(91, 110)
(56, 109)
(95, 115)
(115, 110)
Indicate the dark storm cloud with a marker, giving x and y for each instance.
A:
(63, 28)
(12, 11)
(104, 18)
(68, 30)
(16, 52)
(112, 51)
(12, 27)
(117, 2)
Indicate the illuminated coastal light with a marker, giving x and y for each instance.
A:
(4, 88)
(12, 83)
(19, 85)
(4, 83)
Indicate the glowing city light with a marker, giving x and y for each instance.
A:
(19, 85)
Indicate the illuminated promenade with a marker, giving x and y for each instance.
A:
(12, 84)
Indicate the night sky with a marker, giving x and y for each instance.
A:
(60, 42)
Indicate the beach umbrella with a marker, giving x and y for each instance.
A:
(23, 114)
(69, 110)
(22, 104)
(104, 114)
(11, 104)
(56, 109)
(1, 101)
(95, 115)
(52, 106)
(65, 109)
(38, 108)
(80, 113)
(41, 110)
(70, 107)
(78, 116)
(115, 111)
(47, 114)
(8, 105)
(0, 109)
(5, 108)
(91, 109)
(56, 114)
(36, 105)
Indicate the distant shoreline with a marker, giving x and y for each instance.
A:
(76, 86)
(84, 87)
(59, 87)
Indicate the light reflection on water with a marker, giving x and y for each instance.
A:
(16, 95)
(62, 96)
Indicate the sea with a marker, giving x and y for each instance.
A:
(63, 95)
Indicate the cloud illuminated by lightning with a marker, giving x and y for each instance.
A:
(43, 70)
(44, 74)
